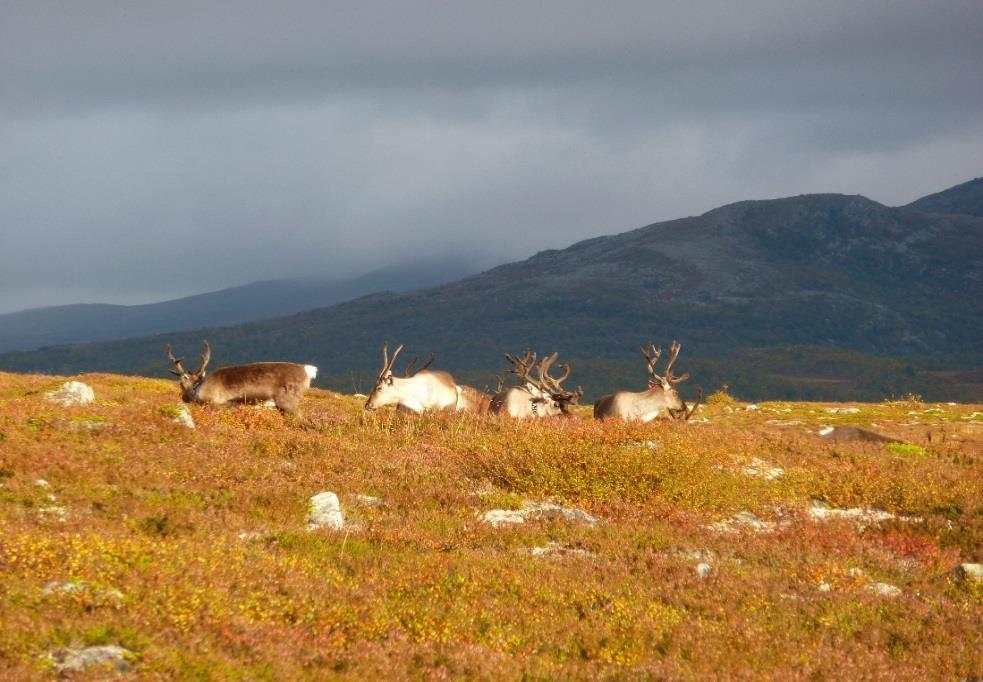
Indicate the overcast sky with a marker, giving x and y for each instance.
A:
(155, 149)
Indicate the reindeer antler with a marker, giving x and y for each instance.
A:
(205, 358)
(673, 354)
(388, 362)
(522, 365)
(175, 361)
(552, 384)
(408, 372)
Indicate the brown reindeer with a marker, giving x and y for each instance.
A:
(282, 382)
(473, 400)
(647, 405)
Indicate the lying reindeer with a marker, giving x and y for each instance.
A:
(417, 392)
(647, 405)
(539, 397)
(282, 382)
(473, 400)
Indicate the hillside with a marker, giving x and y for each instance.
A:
(834, 276)
(742, 545)
(56, 325)
(966, 198)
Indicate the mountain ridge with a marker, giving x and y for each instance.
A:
(89, 322)
(840, 272)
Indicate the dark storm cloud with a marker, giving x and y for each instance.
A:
(155, 149)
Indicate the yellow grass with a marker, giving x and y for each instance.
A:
(204, 532)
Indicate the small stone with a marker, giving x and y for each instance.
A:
(751, 408)
(56, 587)
(183, 417)
(743, 520)
(369, 500)
(703, 569)
(820, 511)
(59, 513)
(503, 517)
(759, 468)
(325, 512)
(77, 660)
(556, 549)
(970, 572)
(825, 587)
(535, 510)
(826, 431)
(885, 590)
(250, 535)
(41, 483)
(71, 393)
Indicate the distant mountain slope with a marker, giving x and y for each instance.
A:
(34, 328)
(966, 198)
(833, 271)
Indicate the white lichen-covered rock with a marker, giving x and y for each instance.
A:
(552, 548)
(744, 520)
(54, 512)
(72, 393)
(55, 587)
(704, 569)
(970, 572)
(885, 589)
(536, 511)
(324, 511)
(820, 511)
(843, 410)
(182, 416)
(77, 660)
(758, 468)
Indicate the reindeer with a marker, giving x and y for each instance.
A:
(536, 397)
(416, 392)
(473, 400)
(282, 382)
(647, 405)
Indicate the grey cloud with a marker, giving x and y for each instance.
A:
(155, 149)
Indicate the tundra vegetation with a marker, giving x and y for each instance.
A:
(740, 543)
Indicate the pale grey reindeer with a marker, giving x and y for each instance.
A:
(420, 391)
(535, 397)
(660, 397)
(282, 382)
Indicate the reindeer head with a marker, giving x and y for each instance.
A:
(383, 393)
(667, 382)
(545, 391)
(561, 397)
(190, 381)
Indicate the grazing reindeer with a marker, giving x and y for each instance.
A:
(282, 382)
(539, 397)
(418, 392)
(647, 405)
